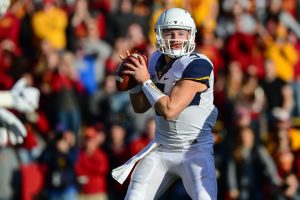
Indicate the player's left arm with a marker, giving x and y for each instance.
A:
(195, 78)
(169, 107)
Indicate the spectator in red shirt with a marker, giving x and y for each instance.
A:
(10, 28)
(92, 166)
(243, 46)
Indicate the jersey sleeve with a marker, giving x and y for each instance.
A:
(198, 70)
(152, 60)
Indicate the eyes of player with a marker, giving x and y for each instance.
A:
(175, 34)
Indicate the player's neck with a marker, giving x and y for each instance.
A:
(167, 59)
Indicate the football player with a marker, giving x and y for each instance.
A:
(179, 85)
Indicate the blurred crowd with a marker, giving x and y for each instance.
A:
(84, 127)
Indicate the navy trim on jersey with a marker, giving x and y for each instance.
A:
(162, 67)
(196, 99)
(161, 62)
(198, 70)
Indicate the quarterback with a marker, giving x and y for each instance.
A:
(179, 85)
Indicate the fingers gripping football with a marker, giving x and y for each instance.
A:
(128, 74)
(137, 68)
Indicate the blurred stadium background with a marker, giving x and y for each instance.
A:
(84, 128)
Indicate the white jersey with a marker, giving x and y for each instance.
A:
(195, 122)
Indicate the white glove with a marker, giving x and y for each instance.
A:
(25, 98)
(4, 5)
(11, 128)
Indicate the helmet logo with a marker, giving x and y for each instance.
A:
(175, 22)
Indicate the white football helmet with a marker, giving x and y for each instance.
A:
(175, 18)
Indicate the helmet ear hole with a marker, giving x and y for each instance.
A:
(175, 18)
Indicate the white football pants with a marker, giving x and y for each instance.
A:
(160, 168)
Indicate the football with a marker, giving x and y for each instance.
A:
(126, 82)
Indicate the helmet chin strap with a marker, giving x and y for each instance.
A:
(176, 53)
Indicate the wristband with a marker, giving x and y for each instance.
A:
(152, 92)
(136, 89)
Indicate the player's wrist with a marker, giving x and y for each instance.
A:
(152, 93)
(145, 82)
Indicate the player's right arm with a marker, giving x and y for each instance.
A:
(139, 102)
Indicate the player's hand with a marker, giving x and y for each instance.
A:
(25, 98)
(138, 69)
(11, 128)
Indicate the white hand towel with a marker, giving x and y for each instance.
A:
(122, 172)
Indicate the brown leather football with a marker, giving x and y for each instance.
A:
(126, 82)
